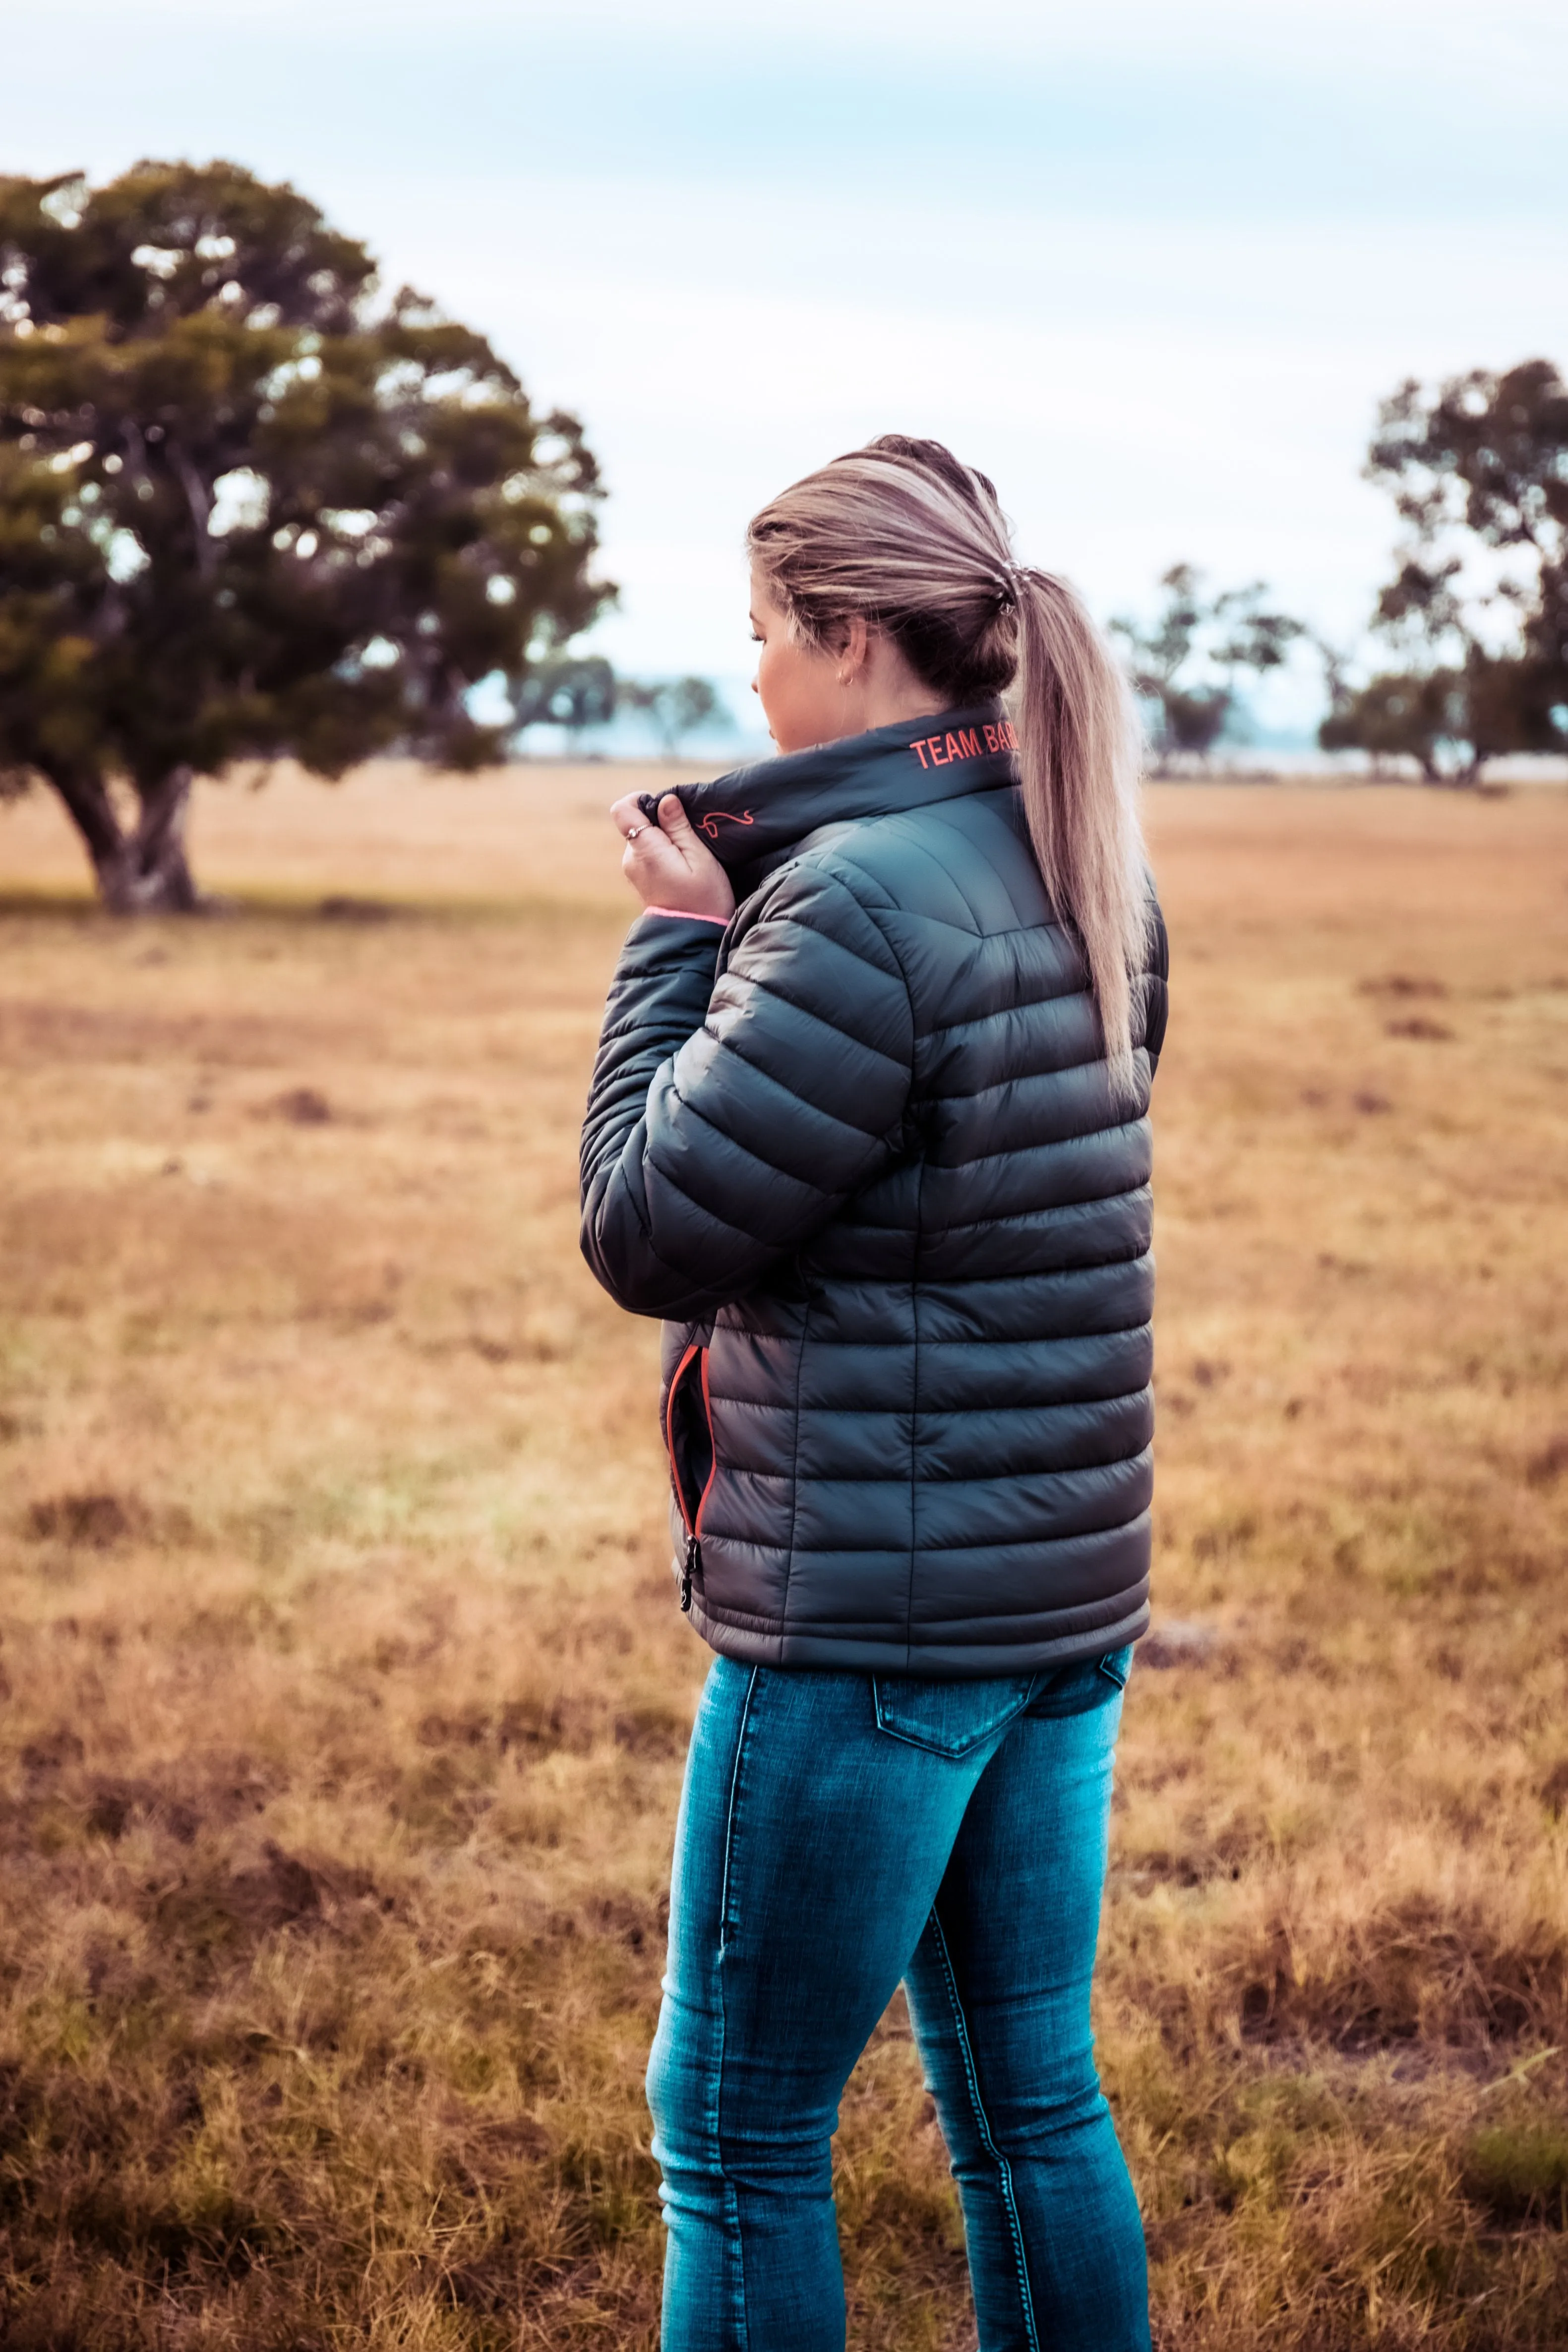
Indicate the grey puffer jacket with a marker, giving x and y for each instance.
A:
(860, 1149)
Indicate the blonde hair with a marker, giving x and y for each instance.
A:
(902, 532)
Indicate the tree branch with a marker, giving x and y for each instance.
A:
(201, 510)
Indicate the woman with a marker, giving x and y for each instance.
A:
(868, 1129)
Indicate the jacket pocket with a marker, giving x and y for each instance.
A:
(693, 1459)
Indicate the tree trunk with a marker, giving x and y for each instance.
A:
(143, 871)
(1465, 778)
(162, 874)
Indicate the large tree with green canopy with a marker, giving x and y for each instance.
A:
(249, 507)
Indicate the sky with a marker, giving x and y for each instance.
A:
(1152, 267)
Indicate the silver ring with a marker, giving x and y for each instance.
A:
(633, 831)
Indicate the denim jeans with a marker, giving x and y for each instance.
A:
(838, 1832)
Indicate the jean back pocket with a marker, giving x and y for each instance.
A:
(947, 1718)
(1087, 1683)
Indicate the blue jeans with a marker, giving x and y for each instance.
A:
(838, 1832)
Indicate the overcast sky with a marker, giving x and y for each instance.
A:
(1150, 266)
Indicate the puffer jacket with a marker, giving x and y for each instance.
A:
(860, 1149)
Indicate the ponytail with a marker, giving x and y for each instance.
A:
(905, 535)
(1079, 762)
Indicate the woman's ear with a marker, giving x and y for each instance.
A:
(852, 653)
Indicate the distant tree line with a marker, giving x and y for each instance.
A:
(251, 507)
(1186, 666)
(580, 691)
(1475, 617)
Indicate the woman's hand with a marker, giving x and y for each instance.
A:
(667, 864)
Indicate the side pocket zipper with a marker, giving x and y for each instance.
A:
(691, 1566)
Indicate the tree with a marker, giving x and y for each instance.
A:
(1184, 667)
(675, 707)
(570, 690)
(1395, 716)
(1478, 606)
(248, 508)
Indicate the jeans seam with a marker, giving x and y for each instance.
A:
(983, 2122)
(741, 1736)
(731, 2200)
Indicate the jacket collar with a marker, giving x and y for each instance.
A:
(756, 816)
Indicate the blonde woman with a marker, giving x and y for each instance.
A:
(868, 1129)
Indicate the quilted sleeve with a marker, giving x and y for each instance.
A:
(1156, 986)
(724, 1129)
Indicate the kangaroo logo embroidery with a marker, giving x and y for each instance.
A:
(710, 824)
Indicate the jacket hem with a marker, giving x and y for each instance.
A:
(974, 1659)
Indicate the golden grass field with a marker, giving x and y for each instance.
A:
(345, 1691)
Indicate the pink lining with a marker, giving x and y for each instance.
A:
(688, 915)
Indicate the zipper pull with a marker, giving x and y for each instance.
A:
(692, 1566)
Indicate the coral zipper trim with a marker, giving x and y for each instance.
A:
(669, 1436)
(712, 1449)
(693, 1525)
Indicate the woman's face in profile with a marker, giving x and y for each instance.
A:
(802, 696)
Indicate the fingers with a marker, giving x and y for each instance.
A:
(651, 861)
(667, 863)
(630, 818)
(647, 855)
(627, 815)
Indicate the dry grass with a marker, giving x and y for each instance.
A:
(345, 1694)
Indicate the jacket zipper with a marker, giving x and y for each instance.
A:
(691, 1522)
